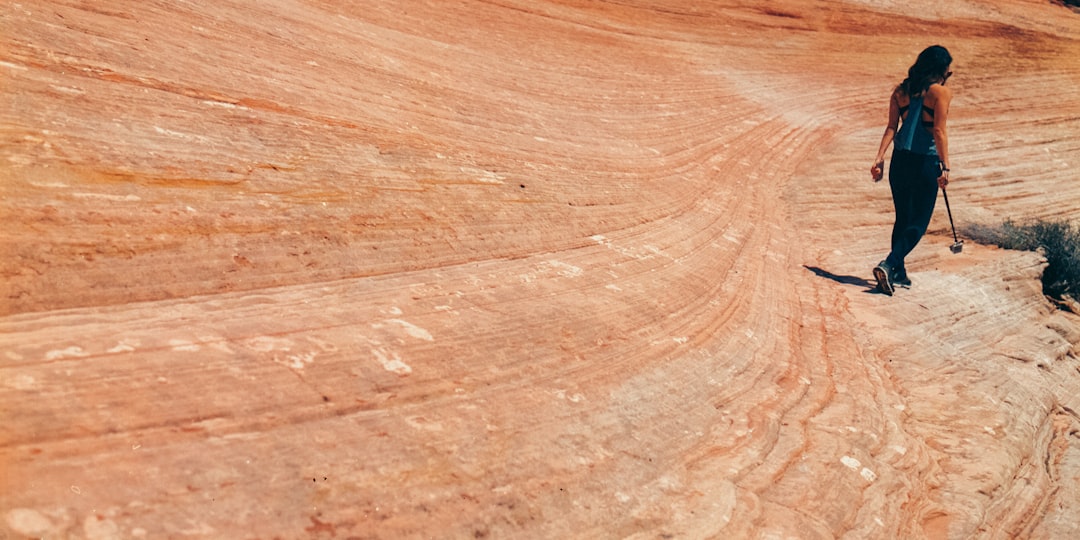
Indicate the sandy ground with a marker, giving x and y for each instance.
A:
(525, 269)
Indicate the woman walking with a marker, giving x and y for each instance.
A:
(920, 159)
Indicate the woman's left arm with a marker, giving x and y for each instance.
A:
(877, 170)
(942, 98)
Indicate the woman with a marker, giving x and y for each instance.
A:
(920, 159)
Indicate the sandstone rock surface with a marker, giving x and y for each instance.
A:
(302, 268)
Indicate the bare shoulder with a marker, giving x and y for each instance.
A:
(939, 92)
(900, 97)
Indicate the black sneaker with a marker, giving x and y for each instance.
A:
(882, 272)
(900, 278)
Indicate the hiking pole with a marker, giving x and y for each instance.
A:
(958, 245)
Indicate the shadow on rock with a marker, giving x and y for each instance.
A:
(843, 280)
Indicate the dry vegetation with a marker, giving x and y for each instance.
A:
(1057, 240)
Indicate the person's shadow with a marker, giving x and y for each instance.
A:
(843, 280)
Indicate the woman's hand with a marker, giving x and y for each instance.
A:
(878, 170)
(943, 180)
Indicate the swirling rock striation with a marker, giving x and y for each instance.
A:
(299, 268)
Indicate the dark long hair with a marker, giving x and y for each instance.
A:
(929, 68)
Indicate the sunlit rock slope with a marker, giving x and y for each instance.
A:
(525, 269)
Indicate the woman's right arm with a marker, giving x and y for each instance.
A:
(878, 169)
(942, 100)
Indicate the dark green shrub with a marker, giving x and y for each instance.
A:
(1058, 240)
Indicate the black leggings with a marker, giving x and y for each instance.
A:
(913, 179)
